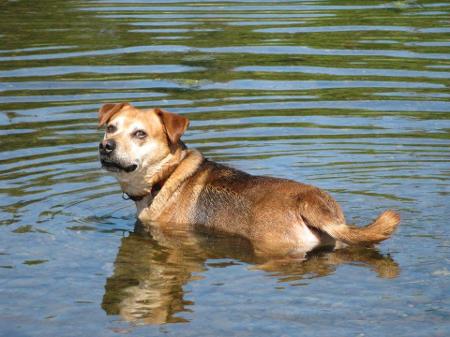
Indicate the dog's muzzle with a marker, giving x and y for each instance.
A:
(106, 149)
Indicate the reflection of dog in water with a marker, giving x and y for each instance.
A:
(173, 186)
(151, 269)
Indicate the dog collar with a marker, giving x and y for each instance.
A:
(127, 196)
(155, 189)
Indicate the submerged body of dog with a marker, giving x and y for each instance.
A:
(173, 186)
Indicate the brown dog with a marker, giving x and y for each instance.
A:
(173, 186)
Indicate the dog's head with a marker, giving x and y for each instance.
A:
(136, 140)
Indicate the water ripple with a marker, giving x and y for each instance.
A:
(349, 96)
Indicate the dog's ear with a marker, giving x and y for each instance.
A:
(108, 110)
(174, 124)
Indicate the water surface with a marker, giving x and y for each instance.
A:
(351, 96)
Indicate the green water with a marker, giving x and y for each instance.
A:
(351, 96)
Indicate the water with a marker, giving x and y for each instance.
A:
(351, 96)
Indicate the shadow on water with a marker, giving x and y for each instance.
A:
(152, 267)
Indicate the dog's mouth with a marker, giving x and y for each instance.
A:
(116, 167)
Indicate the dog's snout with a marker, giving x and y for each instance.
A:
(107, 146)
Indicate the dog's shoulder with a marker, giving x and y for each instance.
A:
(223, 176)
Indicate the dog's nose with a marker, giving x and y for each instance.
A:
(107, 146)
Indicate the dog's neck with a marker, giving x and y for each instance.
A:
(149, 182)
(150, 207)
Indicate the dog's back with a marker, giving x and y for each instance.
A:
(278, 215)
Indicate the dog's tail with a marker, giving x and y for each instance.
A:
(379, 230)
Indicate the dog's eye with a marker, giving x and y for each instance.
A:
(111, 129)
(140, 134)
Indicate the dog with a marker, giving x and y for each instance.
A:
(174, 186)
